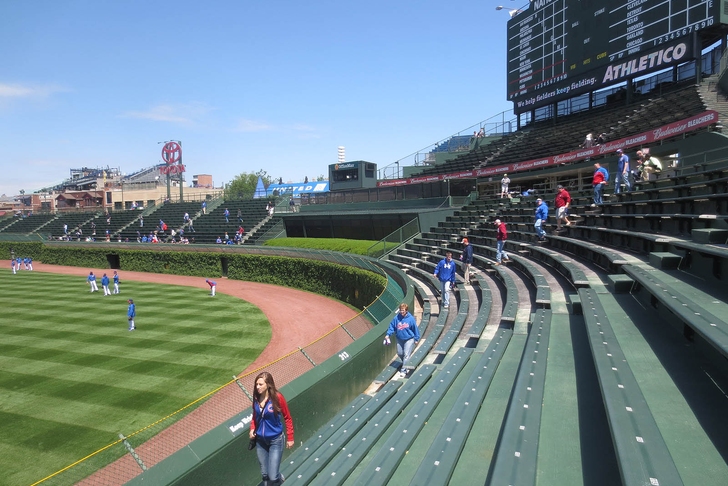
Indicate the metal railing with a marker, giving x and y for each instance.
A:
(394, 239)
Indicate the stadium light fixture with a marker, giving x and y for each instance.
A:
(511, 11)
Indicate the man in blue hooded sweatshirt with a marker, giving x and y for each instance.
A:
(445, 273)
(404, 327)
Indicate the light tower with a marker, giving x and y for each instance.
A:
(342, 154)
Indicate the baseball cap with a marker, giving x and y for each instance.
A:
(619, 151)
(465, 240)
(497, 221)
(131, 301)
(559, 186)
(539, 199)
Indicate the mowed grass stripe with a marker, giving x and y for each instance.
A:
(72, 377)
(20, 344)
(177, 386)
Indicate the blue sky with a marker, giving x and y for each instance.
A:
(274, 85)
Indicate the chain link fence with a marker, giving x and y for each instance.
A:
(131, 454)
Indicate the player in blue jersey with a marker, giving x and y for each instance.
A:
(131, 314)
(116, 282)
(105, 284)
(92, 282)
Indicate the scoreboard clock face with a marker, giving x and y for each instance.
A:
(561, 48)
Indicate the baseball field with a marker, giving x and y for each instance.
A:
(72, 377)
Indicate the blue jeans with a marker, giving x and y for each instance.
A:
(620, 178)
(269, 456)
(539, 228)
(445, 290)
(404, 350)
(500, 253)
(598, 190)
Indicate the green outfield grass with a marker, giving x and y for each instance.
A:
(72, 377)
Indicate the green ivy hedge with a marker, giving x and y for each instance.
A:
(354, 286)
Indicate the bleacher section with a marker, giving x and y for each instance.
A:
(592, 362)
(213, 225)
(545, 138)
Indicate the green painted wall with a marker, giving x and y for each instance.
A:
(221, 456)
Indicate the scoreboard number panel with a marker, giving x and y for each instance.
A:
(562, 48)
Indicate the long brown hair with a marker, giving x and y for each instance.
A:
(272, 390)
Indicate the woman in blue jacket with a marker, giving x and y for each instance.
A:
(404, 327)
(542, 214)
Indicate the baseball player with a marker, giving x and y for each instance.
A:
(213, 286)
(116, 282)
(12, 265)
(131, 314)
(92, 282)
(30, 263)
(105, 284)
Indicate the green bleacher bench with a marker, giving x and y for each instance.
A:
(665, 260)
(321, 456)
(711, 327)
(383, 465)
(440, 460)
(710, 235)
(517, 455)
(574, 303)
(349, 457)
(486, 302)
(301, 454)
(620, 283)
(642, 453)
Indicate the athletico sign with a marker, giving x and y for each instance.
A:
(687, 125)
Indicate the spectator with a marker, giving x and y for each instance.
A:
(141, 221)
(467, 258)
(219, 240)
(226, 213)
(204, 207)
(445, 273)
(602, 139)
(404, 327)
(599, 180)
(270, 412)
(542, 214)
(505, 181)
(292, 205)
(588, 141)
(500, 241)
(639, 171)
(562, 203)
(481, 132)
(622, 175)
(240, 215)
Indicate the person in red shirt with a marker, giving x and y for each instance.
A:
(501, 237)
(270, 415)
(600, 179)
(562, 203)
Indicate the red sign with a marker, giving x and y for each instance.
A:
(171, 153)
(172, 169)
(704, 119)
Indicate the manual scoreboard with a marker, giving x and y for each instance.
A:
(561, 48)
